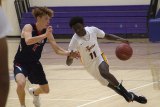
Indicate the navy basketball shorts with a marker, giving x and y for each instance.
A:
(33, 70)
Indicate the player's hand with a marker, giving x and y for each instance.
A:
(125, 41)
(73, 55)
(49, 31)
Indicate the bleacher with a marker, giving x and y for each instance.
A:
(126, 19)
(154, 25)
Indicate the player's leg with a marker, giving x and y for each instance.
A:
(20, 79)
(116, 86)
(100, 71)
(21, 82)
(104, 71)
(37, 76)
(113, 83)
(42, 89)
(140, 99)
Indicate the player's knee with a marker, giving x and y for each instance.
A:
(21, 85)
(46, 90)
(104, 68)
(104, 71)
(21, 81)
(105, 75)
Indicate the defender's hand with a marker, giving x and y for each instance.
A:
(73, 55)
(49, 30)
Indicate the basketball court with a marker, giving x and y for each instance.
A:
(74, 87)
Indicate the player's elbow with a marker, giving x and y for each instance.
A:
(28, 42)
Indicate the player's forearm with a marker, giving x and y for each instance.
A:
(69, 61)
(61, 51)
(113, 37)
(36, 39)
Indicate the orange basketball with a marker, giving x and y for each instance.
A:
(124, 51)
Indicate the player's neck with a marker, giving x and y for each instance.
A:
(39, 27)
(84, 33)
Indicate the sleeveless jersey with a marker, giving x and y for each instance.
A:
(87, 45)
(30, 53)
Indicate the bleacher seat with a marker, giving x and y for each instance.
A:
(154, 25)
(112, 19)
(154, 30)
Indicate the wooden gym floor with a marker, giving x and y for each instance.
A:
(74, 87)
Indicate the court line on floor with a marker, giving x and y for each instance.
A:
(45, 99)
(114, 95)
(91, 101)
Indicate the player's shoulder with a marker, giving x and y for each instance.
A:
(75, 36)
(27, 27)
(91, 27)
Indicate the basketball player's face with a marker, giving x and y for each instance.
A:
(44, 21)
(79, 29)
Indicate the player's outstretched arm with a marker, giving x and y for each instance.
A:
(114, 37)
(58, 50)
(27, 34)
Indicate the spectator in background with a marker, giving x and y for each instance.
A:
(4, 73)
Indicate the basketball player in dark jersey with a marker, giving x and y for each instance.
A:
(26, 62)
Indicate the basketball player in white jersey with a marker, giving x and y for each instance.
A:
(85, 42)
(4, 73)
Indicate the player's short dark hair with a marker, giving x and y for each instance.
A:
(75, 20)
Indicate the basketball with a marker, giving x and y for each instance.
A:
(124, 51)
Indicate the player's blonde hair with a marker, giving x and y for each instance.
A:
(42, 11)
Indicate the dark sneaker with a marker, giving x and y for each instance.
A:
(140, 99)
(128, 97)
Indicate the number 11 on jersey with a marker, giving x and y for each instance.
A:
(93, 55)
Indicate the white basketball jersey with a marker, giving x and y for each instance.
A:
(87, 45)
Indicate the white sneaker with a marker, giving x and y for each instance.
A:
(36, 100)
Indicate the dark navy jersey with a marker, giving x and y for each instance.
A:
(30, 53)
